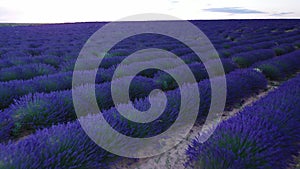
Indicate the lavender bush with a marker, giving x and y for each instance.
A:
(264, 135)
(280, 67)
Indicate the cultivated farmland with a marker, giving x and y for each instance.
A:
(38, 123)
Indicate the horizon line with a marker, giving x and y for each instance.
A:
(150, 20)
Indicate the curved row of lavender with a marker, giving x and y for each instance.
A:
(263, 135)
(68, 145)
(280, 67)
(36, 78)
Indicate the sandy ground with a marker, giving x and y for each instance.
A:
(175, 158)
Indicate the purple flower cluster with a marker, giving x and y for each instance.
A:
(263, 135)
(246, 80)
(246, 59)
(280, 67)
(61, 146)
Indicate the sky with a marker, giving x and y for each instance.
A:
(60, 11)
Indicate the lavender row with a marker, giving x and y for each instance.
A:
(61, 81)
(186, 55)
(16, 61)
(61, 146)
(281, 49)
(41, 110)
(264, 135)
(113, 62)
(199, 71)
(246, 59)
(66, 145)
(279, 68)
(105, 64)
(246, 48)
(25, 72)
(284, 49)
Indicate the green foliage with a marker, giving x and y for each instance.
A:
(279, 51)
(226, 54)
(297, 45)
(242, 62)
(166, 82)
(28, 116)
(270, 71)
(226, 46)
(9, 75)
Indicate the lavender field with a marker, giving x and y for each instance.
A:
(260, 126)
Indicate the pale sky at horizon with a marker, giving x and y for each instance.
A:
(59, 11)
